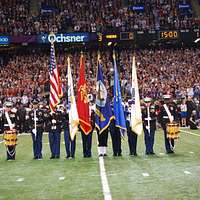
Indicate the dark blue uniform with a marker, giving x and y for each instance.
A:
(21, 118)
(87, 139)
(132, 137)
(37, 135)
(70, 145)
(1, 120)
(102, 142)
(149, 132)
(116, 139)
(54, 127)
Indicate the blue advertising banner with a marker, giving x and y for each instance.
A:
(138, 8)
(4, 40)
(64, 38)
(184, 6)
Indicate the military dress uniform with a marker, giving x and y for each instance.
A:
(87, 139)
(102, 142)
(54, 127)
(1, 120)
(9, 129)
(21, 118)
(164, 119)
(70, 145)
(116, 138)
(36, 125)
(132, 137)
(149, 125)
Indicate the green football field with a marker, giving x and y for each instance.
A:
(143, 177)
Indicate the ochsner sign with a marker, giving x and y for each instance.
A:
(64, 37)
(4, 40)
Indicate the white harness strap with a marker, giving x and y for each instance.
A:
(171, 118)
(8, 120)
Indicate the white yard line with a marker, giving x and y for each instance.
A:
(187, 172)
(190, 133)
(61, 178)
(104, 180)
(20, 180)
(145, 174)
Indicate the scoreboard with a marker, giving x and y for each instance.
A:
(168, 35)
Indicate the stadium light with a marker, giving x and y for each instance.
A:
(109, 43)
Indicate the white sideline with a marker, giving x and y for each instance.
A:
(190, 133)
(104, 180)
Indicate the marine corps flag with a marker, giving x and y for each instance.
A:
(72, 109)
(103, 112)
(118, 108)
(136, 115)
(82, 100)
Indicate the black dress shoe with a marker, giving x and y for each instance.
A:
(100, 155)
(169, 152)
(152, 153)
(105, 154)
(52, 157)
(57, 157)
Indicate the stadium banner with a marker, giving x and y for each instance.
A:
(24, 39)
(138, 37)
(64, 38)
(184, 6)
(4, 40)
(138, 8)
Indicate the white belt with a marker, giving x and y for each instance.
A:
(165, 117)
(8, 125)
(148, 118)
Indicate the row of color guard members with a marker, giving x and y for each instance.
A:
(40, 119)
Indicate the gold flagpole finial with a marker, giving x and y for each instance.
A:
(114, 57)
(68, 60)
(52, 37)
(82, 54)
(98, 56)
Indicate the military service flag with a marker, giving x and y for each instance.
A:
(103, 112)
(118, 108)
(72, 109)
(136, 115)
(82, 100)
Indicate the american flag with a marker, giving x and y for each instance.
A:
(55, 82)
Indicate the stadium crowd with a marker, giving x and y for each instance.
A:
(177, 72)
(94, 16)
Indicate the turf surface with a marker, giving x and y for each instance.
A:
(144, 177)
